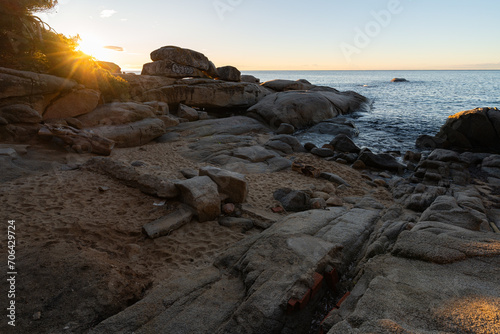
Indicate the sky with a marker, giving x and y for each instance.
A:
(288, 34)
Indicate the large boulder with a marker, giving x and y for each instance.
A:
(75, 103)
(139, 84)
(132, 134)
(19, 113)
(38, 92)
(208, 94)
(304, 108)
(229, 73)
(172, 70)
(23, 84)
(382, 161)
(280, 85)
(185, 58)
(477, 129)
(117, 113)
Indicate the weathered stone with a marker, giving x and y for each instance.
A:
(430, 142)
(473, 129)
(19, 84)
(167, 224)
(117, 113)
(149, 184)
(335, 127)
(334, 178)
(343, 143)
(171, 69)
(358, 164)
(302, 109)
(8, 152)
(250, 79)
(75, 103)
(188, 113)
(321, 194)
(229, 73)
(322, 152)
(334, 201)
(380, 161)
(229, 183)
(317, 203)
(285, 129)
(20, 113)
(280, 85)
(202, 195)
(232, 222)
(309, 146)
(290, 140)
(292, 200)
(278, 145)
(444, 155)
(184, 57)
(169, 120)
(208, 94)
(132, 134)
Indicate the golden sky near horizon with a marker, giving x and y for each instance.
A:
(290, 35)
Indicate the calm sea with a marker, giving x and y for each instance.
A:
(402, 111)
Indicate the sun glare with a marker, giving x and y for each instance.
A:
(93, 47)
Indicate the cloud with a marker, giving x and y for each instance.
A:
(114, 48)
(108, 13)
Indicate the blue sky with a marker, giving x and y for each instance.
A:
(291, 35)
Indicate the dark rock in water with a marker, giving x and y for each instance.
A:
(305, 108)
(229, 73)
(309, 146)
(412, 156)
(477, 129)
(322, 152)
(343, 143)
(292, 200)
(399, 80)
(380, 161)
(427, 142)
(336, 126)
(285, 129)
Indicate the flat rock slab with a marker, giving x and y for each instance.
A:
(201, 193)
(165, 225)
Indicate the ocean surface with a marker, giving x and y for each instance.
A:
(400, 112)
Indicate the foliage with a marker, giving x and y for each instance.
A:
(27, 43)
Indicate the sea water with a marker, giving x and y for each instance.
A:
(401, 111)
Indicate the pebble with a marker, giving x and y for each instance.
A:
(358, 164)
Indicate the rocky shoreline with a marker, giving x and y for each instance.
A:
(206, 214)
